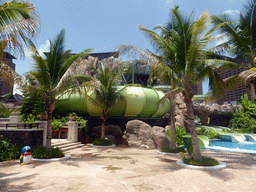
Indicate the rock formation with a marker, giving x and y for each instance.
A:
(141, 135)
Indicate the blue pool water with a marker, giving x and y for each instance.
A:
(242, 147)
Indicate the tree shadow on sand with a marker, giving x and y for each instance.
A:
(7, 182)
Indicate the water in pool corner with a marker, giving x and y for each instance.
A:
(242, 147)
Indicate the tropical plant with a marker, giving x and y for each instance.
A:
(240, 36)
(18, 21)
(42, 152)
(245, 120)
(8, 150)
(52, 76)
(105, 93)
(183, 60)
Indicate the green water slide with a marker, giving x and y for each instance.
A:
(135, 102)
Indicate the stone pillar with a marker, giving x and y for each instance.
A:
(43, 125)
(15, 119)
(73, 131)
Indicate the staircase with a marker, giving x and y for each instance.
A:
(66, 145)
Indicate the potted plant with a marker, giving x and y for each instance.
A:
(73, 116)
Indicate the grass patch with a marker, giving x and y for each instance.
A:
(42, 152)
(101, 142)
(176, 150)
(206, 161)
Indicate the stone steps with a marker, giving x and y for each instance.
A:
(66, 145)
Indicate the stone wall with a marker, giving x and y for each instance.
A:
(24, 137)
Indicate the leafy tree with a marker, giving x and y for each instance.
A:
(240, 43)
(18, 21)
(182, 59)
(105, 93)
(52, 76)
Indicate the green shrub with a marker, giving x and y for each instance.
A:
(245, 121)
(102, 142)
(4, 111)
(206, 161)
(179, 133)
(176, 150)
(56, 124)
(182, 155)
(42, 152)
(211, 134)
(82, 123)
(9, 151)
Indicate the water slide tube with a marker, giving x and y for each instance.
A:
(135, 102)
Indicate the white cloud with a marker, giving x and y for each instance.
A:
(41, 49)
(232, 12)
(44, 47)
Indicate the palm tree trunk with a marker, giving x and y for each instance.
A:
(103, 128)
(50, 106)
(49, 130)
(191, 125)
(173, 128)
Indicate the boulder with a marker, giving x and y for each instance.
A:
(137, 134)
(160, 137)
(114, 130)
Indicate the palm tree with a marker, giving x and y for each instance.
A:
(182, 57)
(240, 42)
(18, 21)
(105, 93)
(52, 76)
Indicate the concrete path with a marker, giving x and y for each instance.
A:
(123, 169)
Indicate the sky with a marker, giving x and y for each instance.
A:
(106, 24)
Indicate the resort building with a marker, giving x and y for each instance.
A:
(5, 86)
(235, 94)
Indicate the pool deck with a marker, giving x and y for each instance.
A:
(123, 169)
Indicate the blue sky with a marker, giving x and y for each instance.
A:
(104, 25)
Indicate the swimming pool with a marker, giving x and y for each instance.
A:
(242, 147)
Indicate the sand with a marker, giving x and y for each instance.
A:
(128, 169)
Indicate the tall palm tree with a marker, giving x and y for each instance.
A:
(18, 21)
(182, 56)
(105, 93)
(240, 42)
(52, 76)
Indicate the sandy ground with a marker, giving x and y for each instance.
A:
(128, 169)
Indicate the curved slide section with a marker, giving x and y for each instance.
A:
(233, 137)
(250, 137)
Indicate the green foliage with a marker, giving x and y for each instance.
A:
(176, 150)
(206, 161)
(190, 150)
(211, 134)
(8, 150)
(56, 124)
(82, 123)
(4, 111)
(30, 118)
(42, 152)
(102, 142)
(179, 133)
(182, 155)
(33, 105)
(244, 121)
